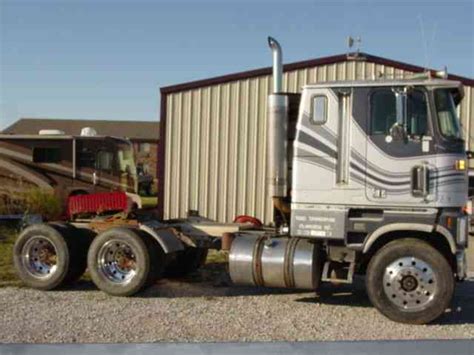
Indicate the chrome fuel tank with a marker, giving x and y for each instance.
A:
(275, 262)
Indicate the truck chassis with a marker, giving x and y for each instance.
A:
(124, 256)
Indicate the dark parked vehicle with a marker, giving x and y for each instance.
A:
(145, 181)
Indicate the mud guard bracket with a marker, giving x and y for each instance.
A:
(166, 237)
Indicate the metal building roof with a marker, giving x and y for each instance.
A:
(307, 64)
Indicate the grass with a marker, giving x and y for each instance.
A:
(7, 273)
(216, 257)
(149, 202)
(30, 201)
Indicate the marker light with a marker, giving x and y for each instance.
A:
(460, 164)
(468, 208)
(449, 222)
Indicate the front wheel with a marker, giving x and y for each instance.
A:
(409, 281)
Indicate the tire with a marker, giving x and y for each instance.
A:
(409, 281)
(81, 240)
(57, 242)
(157, 259)
(124, 245)
(186, 262)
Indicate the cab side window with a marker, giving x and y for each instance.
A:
(319, 108)
(383, 111)
(417, 113)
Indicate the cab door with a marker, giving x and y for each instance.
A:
(399, 149)
(315, 147)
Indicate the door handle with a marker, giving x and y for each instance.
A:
(420, 180)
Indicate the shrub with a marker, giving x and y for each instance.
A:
(7, 272)
(11, 203)
(31, 201)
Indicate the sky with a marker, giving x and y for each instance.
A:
(107, 59)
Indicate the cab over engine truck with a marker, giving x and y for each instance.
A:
(366, 177)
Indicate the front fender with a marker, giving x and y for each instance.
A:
(393, 227)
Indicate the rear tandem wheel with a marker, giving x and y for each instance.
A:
(122, 261)
(48, 256)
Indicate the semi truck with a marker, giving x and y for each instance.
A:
(367, 178)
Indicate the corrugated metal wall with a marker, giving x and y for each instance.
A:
(215, 140)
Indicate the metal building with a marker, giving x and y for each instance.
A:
(212, 149)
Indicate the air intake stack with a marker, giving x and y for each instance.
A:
(277, 127)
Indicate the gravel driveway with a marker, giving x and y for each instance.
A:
(198, 310)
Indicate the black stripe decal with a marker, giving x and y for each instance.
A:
(331, 167)
(382, 181)
(312, 142)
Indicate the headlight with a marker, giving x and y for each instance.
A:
(468, 208)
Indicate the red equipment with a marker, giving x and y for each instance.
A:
(97, 203)
(248, 219)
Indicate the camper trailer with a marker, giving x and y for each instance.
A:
(66, 165)
(366, 178)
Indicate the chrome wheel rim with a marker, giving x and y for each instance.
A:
(410, 283)
(40, 257)
(117, 261)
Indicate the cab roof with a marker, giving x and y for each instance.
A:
(427, 82)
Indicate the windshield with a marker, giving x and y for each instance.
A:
(125, 159)
(447, 116)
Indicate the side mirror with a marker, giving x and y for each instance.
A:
(398, 131)
(401, 106)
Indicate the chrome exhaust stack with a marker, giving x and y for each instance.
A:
(277, 64)
(277, 128)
